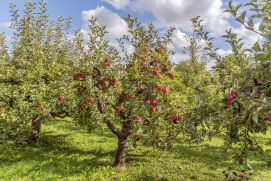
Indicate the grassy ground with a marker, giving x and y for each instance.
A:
(69, 153)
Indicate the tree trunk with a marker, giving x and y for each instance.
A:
(121, 135)
(36, 129)
(122, 144)
(120, 154)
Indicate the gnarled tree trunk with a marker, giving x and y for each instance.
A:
(36, 129)
(120, 154)
(122, 144)
(121, 135)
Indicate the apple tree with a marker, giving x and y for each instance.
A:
(133, 94)
(201, 87)
(35, 74)
(244, 79)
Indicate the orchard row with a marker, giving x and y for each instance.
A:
(138, 96)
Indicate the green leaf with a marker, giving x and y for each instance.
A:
(255, 117)
(257, 46)
(251, 24)
(242, 17)
(262, 27)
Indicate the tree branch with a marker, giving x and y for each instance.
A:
(253, 30)
(126, 127)
(61, 115)
(107, 122)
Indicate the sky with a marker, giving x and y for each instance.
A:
(163, 13)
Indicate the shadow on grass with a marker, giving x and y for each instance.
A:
(262, 161)
(56, 158)
(73, 127)
(55, 154)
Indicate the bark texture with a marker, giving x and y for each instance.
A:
(36, 129)
(122, 144)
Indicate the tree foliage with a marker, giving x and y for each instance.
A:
(139, 95)
(35, 71)
(133, 94)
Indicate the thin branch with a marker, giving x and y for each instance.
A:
(257, 32)
(107, 122)
(61, 115)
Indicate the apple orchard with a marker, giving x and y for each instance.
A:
(140, 96)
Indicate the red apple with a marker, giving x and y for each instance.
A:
(242, 174)
(163, 89)
(175, 118)
(155, 72)
(230, 99)
(170, 75)
(232, 95)
(153, 109)
(119, 110)
(153, 103)
(139, 120)
(112, 81)
(61, 98)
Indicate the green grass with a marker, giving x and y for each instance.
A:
(69, 153)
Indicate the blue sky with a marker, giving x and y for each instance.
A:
(163, 13)
(67, 8)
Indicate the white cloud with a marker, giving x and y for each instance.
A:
(249, 37)
(179, 12)
(223, 53)
(178, 57)
(115, 25)
(5, 25)
(179, 41)
(173, 13)
(118, 4)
